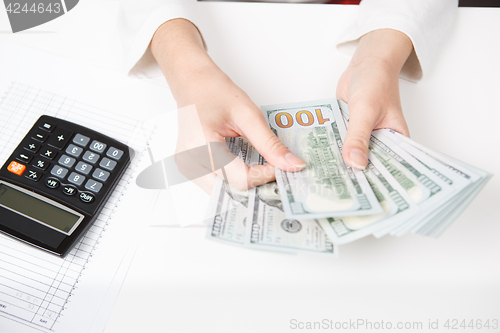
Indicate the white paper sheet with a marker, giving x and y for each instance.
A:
(39, 291)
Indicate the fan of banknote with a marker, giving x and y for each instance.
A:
(406, 187)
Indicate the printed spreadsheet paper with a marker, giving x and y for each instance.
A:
(40, 292)
(35, 287)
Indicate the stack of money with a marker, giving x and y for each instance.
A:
(406, 187)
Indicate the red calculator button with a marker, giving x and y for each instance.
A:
(16, 168)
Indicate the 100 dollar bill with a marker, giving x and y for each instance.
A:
(326, 187)
(228, 207)
(477, 178)
(425, 184)
(267, 227)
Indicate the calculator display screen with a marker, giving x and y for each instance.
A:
(37, 209)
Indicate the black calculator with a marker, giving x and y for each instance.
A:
(56, 182)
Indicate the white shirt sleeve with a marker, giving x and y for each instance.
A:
(138, 21)
(425, 22)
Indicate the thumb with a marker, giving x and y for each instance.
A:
(355, 148)
(268, 145)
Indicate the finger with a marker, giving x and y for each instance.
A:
(256, 130)
(206, 183)
(243, 177)
(200, 165)
(190, 165)
(355, 148)
(395, 121)
(398, 125)
(233, 169)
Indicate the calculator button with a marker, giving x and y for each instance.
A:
(33, 175)
(69, 190)
(114, 153)
(90, 157)
(49, 127)
(32, 147)
(59, 138)
(93, 186)
(87, 197)
(39, 137)
(67, 161)
(74, 150)
(26, 158)
(49, 153)
(107, 164)
(81, 140)
(41, 164)
(16, 168)
(59, 171)
(97, 146)
(76, 178)
(101, 175)
(83, 167)
(52, 183)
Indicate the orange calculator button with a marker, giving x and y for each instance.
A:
(16, 168)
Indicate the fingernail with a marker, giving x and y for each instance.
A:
(358, 159)
(294, 160)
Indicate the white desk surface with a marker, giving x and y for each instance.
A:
(286, 53)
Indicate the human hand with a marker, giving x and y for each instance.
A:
(370, 86)
(222, 109)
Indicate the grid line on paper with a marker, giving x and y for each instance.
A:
(8, 274)
(25, 324)
(27, 270)
(35, 286)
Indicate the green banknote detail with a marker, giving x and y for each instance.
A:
(393, 194)
(325, 163)
(386, 155)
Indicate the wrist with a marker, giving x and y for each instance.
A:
(178, 48)
(388, 47)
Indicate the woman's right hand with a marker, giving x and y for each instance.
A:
(221, 109)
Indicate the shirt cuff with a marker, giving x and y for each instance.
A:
(418, 22)
(412, 68)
